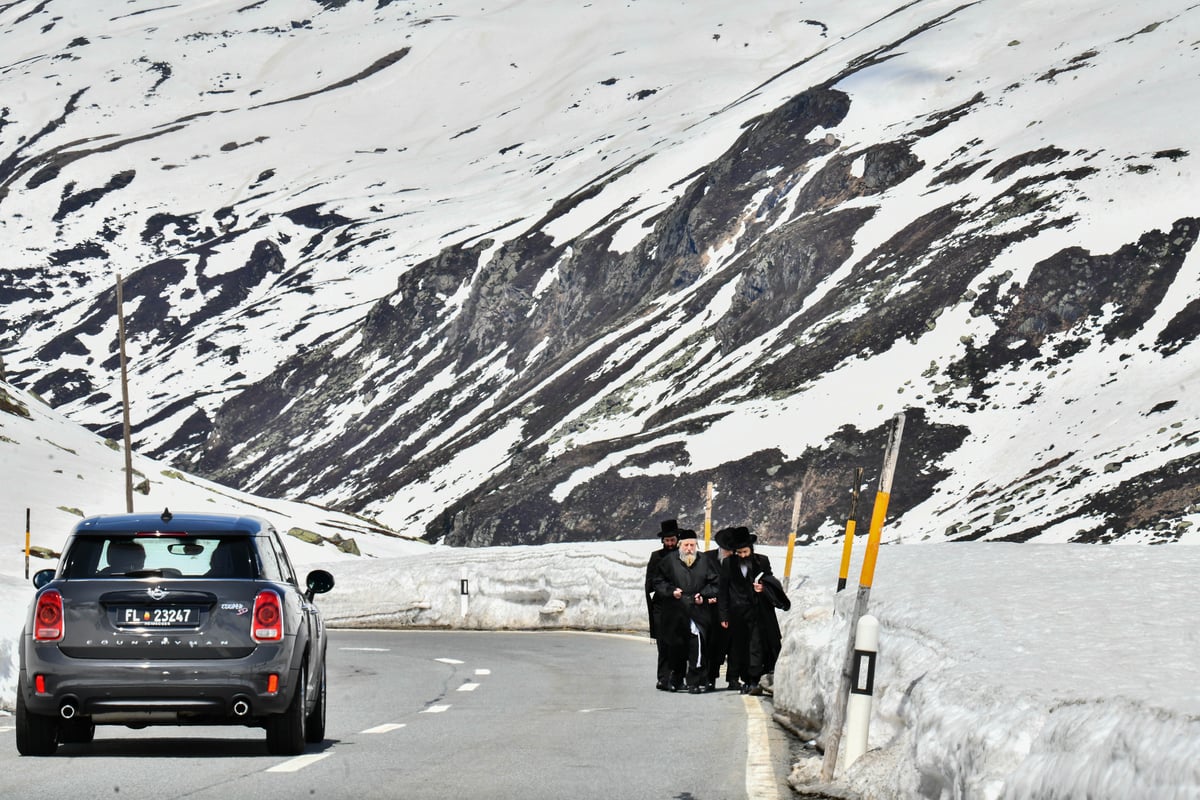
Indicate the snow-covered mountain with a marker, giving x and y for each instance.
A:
(540, 270)
(55, 472)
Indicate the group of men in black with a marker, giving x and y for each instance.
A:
(711, 608)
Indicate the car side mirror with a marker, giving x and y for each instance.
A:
(42, 577)
(319, 581)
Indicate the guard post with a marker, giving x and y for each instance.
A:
(27, 544)
(464, 591)
(862, 688)
(791, 545)
(838, 718)
(851, 523)
(708, 516)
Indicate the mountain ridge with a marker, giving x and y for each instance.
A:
(581, 366)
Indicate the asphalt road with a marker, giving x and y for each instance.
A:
(441, 714)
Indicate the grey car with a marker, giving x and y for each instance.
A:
(185, 619)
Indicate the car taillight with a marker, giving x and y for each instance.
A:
(267, 624)
(48, 617)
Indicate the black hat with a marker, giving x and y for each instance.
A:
(684, 533)
(724, 538)
(736, 537)
(669, 528)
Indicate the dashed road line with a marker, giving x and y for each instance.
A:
(435, 709)
(366, 649)
(386, 727)
(449, 660)
(483, 672)
(468, 687)
(299, 762)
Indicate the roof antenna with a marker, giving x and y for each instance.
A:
(167, 516)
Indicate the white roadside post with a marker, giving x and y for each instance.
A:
(862, 688)
(464, 590)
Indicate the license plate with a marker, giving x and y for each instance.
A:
(158, 616)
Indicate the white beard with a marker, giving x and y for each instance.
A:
(687, 558)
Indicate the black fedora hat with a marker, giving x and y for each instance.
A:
(736, 537)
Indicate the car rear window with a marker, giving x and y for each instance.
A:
(129, 555)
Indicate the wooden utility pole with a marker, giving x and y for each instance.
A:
(838, 718)
(124, 395)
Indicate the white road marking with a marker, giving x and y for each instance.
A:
(299, 762)
(7, 728)
(448, 660)
(468, 687)
(483, 672)
(760, 770)
(367, 649)
(436, 709)
(385, 728)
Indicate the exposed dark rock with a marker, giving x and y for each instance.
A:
(556, 357)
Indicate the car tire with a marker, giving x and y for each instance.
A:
(314, 726)
(37, 735)
(285, 732)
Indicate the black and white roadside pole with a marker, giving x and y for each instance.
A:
(838, 717)
(862, 689)
(124, 395)
(464, 591)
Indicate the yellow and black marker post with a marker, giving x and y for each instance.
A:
(791, 546)
(708, 515)
(851, 523)
(878, 514)
(27, 544)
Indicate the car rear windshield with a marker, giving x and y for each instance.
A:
(130, 555)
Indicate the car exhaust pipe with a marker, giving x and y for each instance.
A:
(68, 710)
(240, 707)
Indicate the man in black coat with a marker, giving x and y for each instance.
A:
(688, 581)
(749, 615)
(717, 646)
(670, 540)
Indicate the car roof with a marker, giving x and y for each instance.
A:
(191, 522)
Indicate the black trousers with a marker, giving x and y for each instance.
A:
(745, 650)
(686, 657)
(716, 647)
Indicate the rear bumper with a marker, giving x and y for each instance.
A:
(152, 692)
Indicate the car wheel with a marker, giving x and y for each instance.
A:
(77, 731)
(314, 726)
(37, 735)
(285, 732)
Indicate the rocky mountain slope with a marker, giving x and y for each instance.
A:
(541, 271)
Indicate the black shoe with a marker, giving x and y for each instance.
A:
(694, 690)
(709, 687)
(662, 686)
(755, 691)
(732, 687)
(675, 687)
(746, 688)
